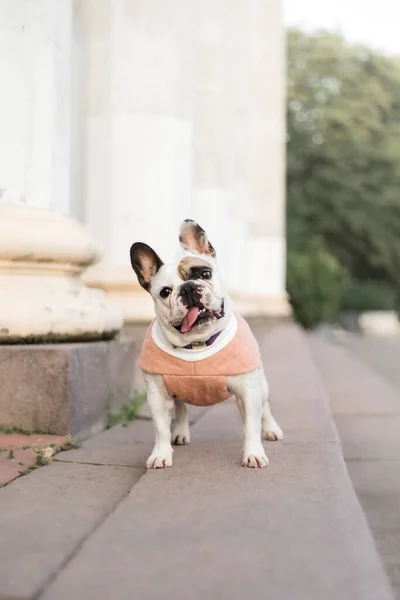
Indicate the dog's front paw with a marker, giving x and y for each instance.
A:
(255, 458)
(271, 431)
(159, 460)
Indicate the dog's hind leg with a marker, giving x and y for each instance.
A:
(180, 434)
(270, 428)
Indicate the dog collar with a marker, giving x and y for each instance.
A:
(200, 345)
(194, 355)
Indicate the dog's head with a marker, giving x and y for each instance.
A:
(189, 298)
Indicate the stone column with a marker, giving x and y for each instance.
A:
(42, 252)
(259, 137)
(185, 118)
(239, 146)
(138, 134)
(213, 114)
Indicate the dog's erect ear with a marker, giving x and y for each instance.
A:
(193, 238)
(145, 262)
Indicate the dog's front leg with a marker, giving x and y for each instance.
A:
(161, 406)
(248, 394)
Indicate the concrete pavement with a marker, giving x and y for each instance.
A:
(94, 525)
(366, 407)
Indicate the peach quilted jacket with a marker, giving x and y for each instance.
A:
(203, 382)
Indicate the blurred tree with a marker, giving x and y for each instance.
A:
(315, 282)
(343, 153)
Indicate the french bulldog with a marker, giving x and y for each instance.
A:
(196, 332)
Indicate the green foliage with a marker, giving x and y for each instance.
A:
(70, 444)
(315, 282)
(127, 413)
(343, 154)
(9, 430)
(368, 295)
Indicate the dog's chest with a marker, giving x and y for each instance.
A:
(203, 382)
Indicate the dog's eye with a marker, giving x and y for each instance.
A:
(206, 274)
(165, 292)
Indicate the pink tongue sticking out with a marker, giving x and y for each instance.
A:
(189, 320)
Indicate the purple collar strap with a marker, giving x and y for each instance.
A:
(199, 345)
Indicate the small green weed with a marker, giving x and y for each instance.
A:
(70, 444)
(127, 413)
(28, 470)
(21, 431)
(42, 461)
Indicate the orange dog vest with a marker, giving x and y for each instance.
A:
(203, 382)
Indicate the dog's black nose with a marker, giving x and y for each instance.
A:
(190, 294)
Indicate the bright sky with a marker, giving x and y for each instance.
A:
(372, 22)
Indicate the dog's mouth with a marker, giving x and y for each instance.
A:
(197, 316)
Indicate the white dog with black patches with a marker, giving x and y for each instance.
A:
(198, 350)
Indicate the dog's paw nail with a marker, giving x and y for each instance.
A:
(254, 462)
(273, 435)
(180, 440)
(159, 462)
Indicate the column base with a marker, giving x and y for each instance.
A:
(274, 307)
(121, 287)
(42, 296)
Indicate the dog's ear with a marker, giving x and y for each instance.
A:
(193, 238)
(145, 262)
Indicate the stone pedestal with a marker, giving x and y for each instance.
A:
(42, 296)
(43, 253)
(120, 286)
(273, 307)
(66, 388)
(44, 385)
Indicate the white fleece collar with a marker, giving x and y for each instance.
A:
(189, 355)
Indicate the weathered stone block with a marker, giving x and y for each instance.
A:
(65, 388)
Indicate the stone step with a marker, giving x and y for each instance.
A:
(367, 412)
(46, 515)
(78, 386)
(207, 528)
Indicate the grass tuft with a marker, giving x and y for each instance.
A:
(70, 444)
(9, 430)
(127, 413)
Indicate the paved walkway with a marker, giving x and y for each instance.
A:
(93, 524)
(383, 355)
(366, 407)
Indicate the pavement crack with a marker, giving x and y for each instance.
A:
(98, 464)
(53, 576)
